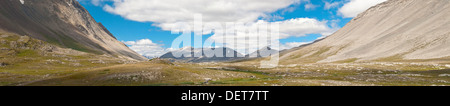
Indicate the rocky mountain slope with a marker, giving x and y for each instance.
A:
(62, 22)
(393, 30)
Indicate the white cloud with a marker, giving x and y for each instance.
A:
(354, 7)
(302, 26)
(164, 13)
(310, 6)
(146, 47)
(330, 5)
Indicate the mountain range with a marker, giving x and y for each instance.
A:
(197, 55)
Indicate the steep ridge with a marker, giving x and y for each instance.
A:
(62, 22)
(393, 30)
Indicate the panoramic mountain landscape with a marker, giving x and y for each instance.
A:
(59, 43)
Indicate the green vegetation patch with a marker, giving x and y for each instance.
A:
(27, 53)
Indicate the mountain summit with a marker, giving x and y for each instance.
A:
(393, 30)
(62, 22)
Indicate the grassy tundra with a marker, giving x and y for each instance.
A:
(29, 62)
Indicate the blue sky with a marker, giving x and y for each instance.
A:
(133, 22)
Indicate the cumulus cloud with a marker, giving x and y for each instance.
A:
(164, 13)
(354, 7)
(146, 47)
(167, 13)
(302, 26)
